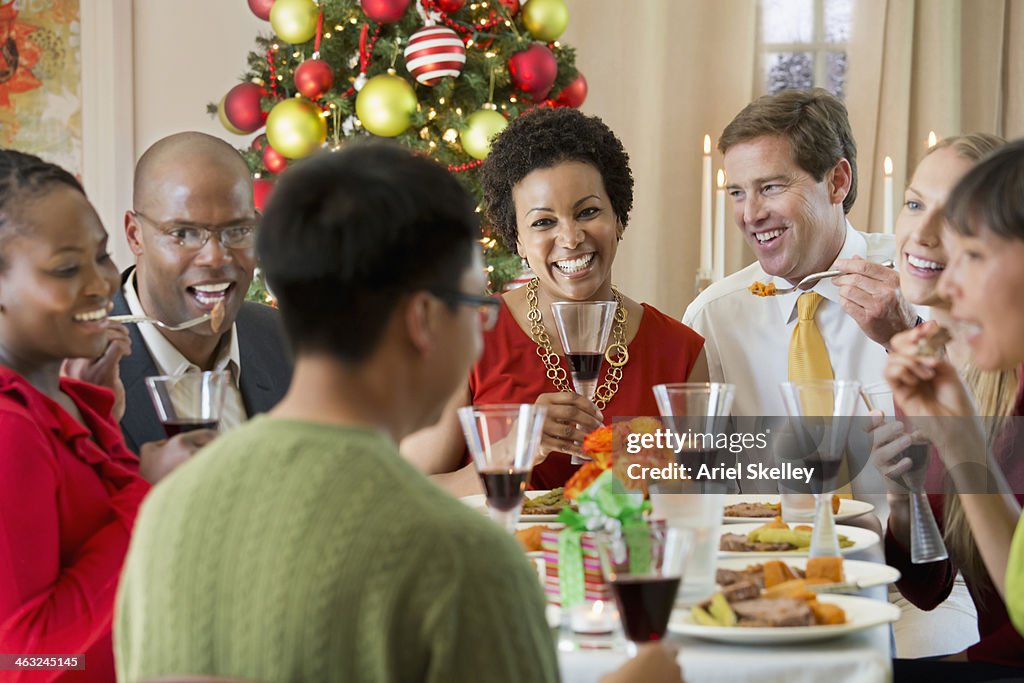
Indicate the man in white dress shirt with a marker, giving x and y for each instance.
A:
(791, 164)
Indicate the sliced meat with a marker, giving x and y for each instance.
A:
(752, 510)
(740, 543)
(754, 573)
(773, 612)
(740, 591)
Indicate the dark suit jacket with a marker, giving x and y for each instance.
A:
(266, 368)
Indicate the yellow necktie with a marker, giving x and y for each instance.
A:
(808, 359)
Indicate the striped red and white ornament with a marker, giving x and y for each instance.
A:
(433, 53)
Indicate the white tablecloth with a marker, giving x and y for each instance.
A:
(864, 657)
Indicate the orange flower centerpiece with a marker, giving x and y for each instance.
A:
(607, 501)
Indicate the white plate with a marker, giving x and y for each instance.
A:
(862, 540)
(848, 508)
(861, 613)
(479, 502)
(864, 574)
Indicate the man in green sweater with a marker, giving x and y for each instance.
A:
(301, 546)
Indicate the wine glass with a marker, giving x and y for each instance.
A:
(926, 544)
(698, 413)
(820, 412)
(644, 577)
(189, 401)
(503, 440)
(583, 327)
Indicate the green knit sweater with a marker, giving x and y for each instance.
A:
(292, 551)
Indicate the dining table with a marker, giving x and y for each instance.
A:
(862, 657)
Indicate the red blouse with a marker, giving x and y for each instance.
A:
(68, 498)
(510, 371)
(927, 585)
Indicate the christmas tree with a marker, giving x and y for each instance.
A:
(439, 76)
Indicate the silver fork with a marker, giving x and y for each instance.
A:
(136, 319)
(814, 278)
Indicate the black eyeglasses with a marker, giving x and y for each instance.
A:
(194, 237)
(487, 306)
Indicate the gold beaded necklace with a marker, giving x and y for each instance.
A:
(617, 355)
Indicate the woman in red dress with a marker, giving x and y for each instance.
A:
(558, 190)
(69, 487)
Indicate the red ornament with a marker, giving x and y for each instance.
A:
(450, 6)
(384, 11)
(261, 8)
(274, 160)
(242, 107)
(313, 78)
(573, 94)
(534, 70)
(433, 53)
(261, 191)
(258, 143)
(512, 5)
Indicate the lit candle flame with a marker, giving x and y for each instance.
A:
(721, 178)
(598, 607)
(888, 166)
(932, 139)
(707, 144)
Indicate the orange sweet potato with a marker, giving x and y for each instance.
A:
(826, 614)
(776, 572)
(829, 568)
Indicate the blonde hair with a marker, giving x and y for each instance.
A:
(973, 146)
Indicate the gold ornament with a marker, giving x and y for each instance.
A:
(385, 105)
(616, 355)
(481, 127)
(223, 117)
(294, 21)
(295, 128)
(546, 19)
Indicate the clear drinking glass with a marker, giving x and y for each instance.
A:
(820, 413)
(503, 440)
(189, 401)
(926, 544)
(583, 327)
(698, 413)
(644, 583)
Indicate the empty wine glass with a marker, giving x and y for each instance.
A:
(820, 412)
(926, 544)
(503, 440)
(583, 327)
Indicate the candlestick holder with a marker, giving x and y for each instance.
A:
(703, 279)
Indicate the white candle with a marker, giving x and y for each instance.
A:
(887, 215)
(705, 209)
(932, 139)
(720, 226)
(592, 618)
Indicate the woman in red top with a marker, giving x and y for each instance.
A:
(69, 488)
(558, 191)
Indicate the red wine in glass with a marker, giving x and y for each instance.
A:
(504, 488)
(174, 427)
(645, 605)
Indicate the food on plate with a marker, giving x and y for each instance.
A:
(529, 537)
(742, 602)
(773, 573)
(550, 503)
(775, 536)
(934, 342)
(762, 289)
(753, 510)
(766, 509)
(776, 572)
(828, 568)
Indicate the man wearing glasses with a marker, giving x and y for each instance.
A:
(192, 229)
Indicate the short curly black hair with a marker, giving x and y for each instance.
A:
(543, 138)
